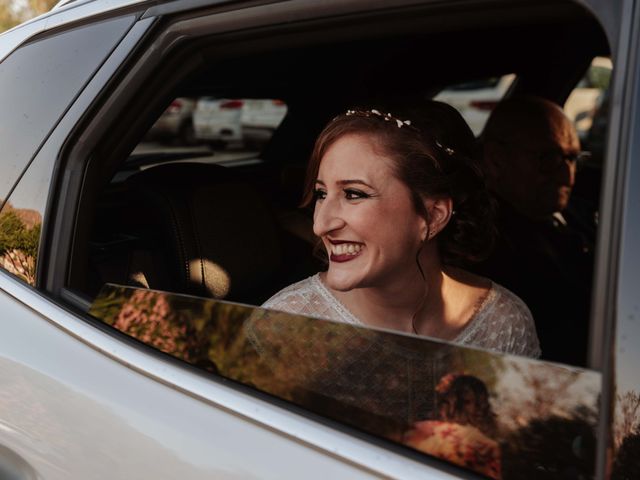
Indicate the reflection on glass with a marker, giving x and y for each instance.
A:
(21, 220)
(19, 239)
(495, 414)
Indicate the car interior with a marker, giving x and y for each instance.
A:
(182, 220)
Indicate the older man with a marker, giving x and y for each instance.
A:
(530, 152)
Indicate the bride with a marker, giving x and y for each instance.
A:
(398, 204)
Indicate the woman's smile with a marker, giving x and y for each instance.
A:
(343, 251)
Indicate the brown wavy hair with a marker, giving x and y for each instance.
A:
(435, 157)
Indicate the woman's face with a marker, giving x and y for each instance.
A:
(365, 217)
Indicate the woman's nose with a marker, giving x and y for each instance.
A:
(326, 217)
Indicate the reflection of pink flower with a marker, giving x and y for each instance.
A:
(148, 317)
(462, 445)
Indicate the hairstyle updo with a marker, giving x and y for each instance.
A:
(433, 150)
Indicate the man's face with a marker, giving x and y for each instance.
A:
(537, 170)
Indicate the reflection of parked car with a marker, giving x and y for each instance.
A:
(178, 373)
(251, 121)
(176, 122)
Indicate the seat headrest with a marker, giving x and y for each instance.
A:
(212, 229)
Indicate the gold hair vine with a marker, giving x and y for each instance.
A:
(447, 150)
(387, 117)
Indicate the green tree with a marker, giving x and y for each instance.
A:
(12, 232)
(14, 12)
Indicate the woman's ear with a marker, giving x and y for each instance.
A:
(440, 211)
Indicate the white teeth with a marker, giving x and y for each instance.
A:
(346, 249)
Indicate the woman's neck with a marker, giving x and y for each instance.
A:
(439, 306)
(397, 304)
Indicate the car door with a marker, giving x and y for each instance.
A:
(85, 400)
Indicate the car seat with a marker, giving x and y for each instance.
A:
(197, 229)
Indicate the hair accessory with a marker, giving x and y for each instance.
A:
(447, 150)
(387, 117)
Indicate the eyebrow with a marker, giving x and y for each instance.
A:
(348, 182)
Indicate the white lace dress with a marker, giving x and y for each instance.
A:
(502, 323)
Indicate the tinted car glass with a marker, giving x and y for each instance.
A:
(210, 130)
(455, 403)
(233, 252)
(475, 99)
(39, 80)
(21, 221)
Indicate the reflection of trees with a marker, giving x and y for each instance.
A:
(161, 321)
(626, 437)
(13, 13)
(553, 447)
(19, 242)
(626, 465)
(628, 408)
(378, 382)
(545, 392)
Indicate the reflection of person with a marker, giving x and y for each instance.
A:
(397, 203)
(463, 432)
(530, 151)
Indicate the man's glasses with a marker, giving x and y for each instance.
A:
(549, 162)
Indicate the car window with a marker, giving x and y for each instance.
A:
(475, 99)
(211, 130)
(37, 82)
(204, 204)
(458, 404)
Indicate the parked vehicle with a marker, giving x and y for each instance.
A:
(133, 344)
(476, 99)
(247, 121)
(218, 120)
(176, 123)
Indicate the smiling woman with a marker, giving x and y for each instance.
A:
(399, 206)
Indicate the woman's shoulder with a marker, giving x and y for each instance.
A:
(509, 314)
(311, 298)
(503, 322)
(510, 305)
(292, 294)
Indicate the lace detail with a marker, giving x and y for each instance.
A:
(502, 322)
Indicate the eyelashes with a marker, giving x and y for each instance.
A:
(353, 194)
(349, 194)
(319, 194)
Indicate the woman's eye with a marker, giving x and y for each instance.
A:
(351, 194)
(319, 194)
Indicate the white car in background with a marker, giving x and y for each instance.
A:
(247, 121)
(475, 100)
(176, 123)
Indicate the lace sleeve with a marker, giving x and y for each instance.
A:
(305, 298)
(505, 325)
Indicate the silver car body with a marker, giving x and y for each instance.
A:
(79, 402)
